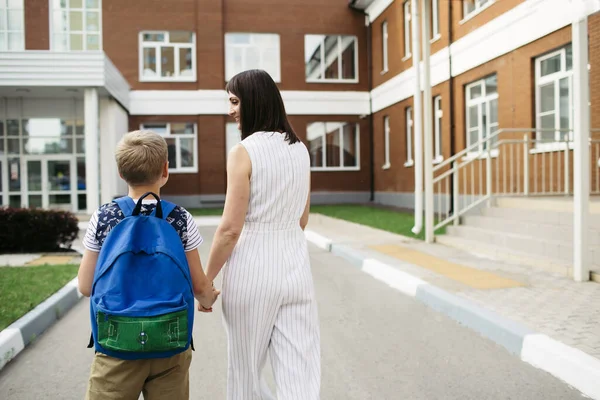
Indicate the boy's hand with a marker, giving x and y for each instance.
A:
(206, 304)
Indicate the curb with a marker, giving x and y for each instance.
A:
(15, 337)
(573, 366)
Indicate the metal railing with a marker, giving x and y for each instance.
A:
(509, 162)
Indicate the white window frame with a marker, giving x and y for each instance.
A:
(275, 74)
(384, 40)
(168, 135)
(435, 20)
(480, 5)
(231, 129)
(386, 142)
(555, 79)
(157, 48)
(407, 29)
(324, 63)
(6, 32)
(482, 101)
(438, 155)
(55, 6)
(324, 166)
(409, 137)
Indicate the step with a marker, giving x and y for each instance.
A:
(497, 253)
(539, 216)
(541, 231)
(558, 203)
(561, 251)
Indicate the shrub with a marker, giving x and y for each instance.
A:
(34, 230)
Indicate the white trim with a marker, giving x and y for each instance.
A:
(435, 20)
(251, 45)
(437, 130)
(178, 169)
(343, 42)
(384, 41)
(484, 100)
(52, 33)
(157, 46)
(478, 10)
(550, 147)
(7, 32)
(386, 142)
(377, 8)
(406, 26)
(525, 23)
(315, 134)
(215, 102)
(409, 135)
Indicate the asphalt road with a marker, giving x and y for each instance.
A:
(376, 344)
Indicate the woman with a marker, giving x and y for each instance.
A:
(268, 294)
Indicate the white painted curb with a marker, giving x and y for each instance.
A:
(398, 280)
(573, 366)
(208, 221)
(570, 365)
(318, 240)
(11, 344)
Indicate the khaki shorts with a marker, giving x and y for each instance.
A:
(157, 378)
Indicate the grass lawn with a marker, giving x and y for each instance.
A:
(23, 288)
(381, 218)
(201, 212)
(385, 219)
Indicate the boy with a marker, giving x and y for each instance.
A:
(142, 160)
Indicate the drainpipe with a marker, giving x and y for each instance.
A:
(369, 27)
(451, 103)
(427, 123)
(417, 120)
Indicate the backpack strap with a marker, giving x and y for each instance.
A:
(167, 208)
(126, 204)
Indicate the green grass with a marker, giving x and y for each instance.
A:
(201, 212)
(399, 222)
(23, 288)
(385, 219)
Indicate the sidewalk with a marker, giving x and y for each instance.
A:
(549, 321)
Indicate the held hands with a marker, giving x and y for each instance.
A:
(206, 302)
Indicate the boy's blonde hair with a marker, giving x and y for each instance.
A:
(141, 156)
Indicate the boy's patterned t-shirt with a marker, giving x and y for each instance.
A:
(109, 215)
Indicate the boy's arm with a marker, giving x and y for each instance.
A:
(203, 289)
(85, 276)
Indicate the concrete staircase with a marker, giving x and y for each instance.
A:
(531, 231)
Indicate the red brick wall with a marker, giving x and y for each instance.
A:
(37, 25)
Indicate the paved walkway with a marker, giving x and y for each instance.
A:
(546, 303)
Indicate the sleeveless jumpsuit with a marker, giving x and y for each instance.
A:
(268, 294)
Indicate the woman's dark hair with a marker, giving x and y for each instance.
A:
(261, 105)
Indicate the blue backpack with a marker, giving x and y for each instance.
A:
(142, 300)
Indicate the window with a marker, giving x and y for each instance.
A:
(232, 136)
(435, 19)
(384, 40)
(554, 94)
(482, 111)
(244, 51)
(12, 31)
(437, 129)
(409, 136)
(386, 142)
(181, 140)
(333, 146)
(474, 6)
(76, 25)
(176, 51)
(407, 29)
(331, 58)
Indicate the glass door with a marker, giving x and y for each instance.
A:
(50, 182)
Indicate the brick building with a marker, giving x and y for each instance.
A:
(76, 74)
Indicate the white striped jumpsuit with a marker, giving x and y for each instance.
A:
(268, 293)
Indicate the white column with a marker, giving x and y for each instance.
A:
(113, 125)
(581, 151)
(417, 119)
(428, 123)
(92, 181)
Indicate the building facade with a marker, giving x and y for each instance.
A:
(77, 74)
